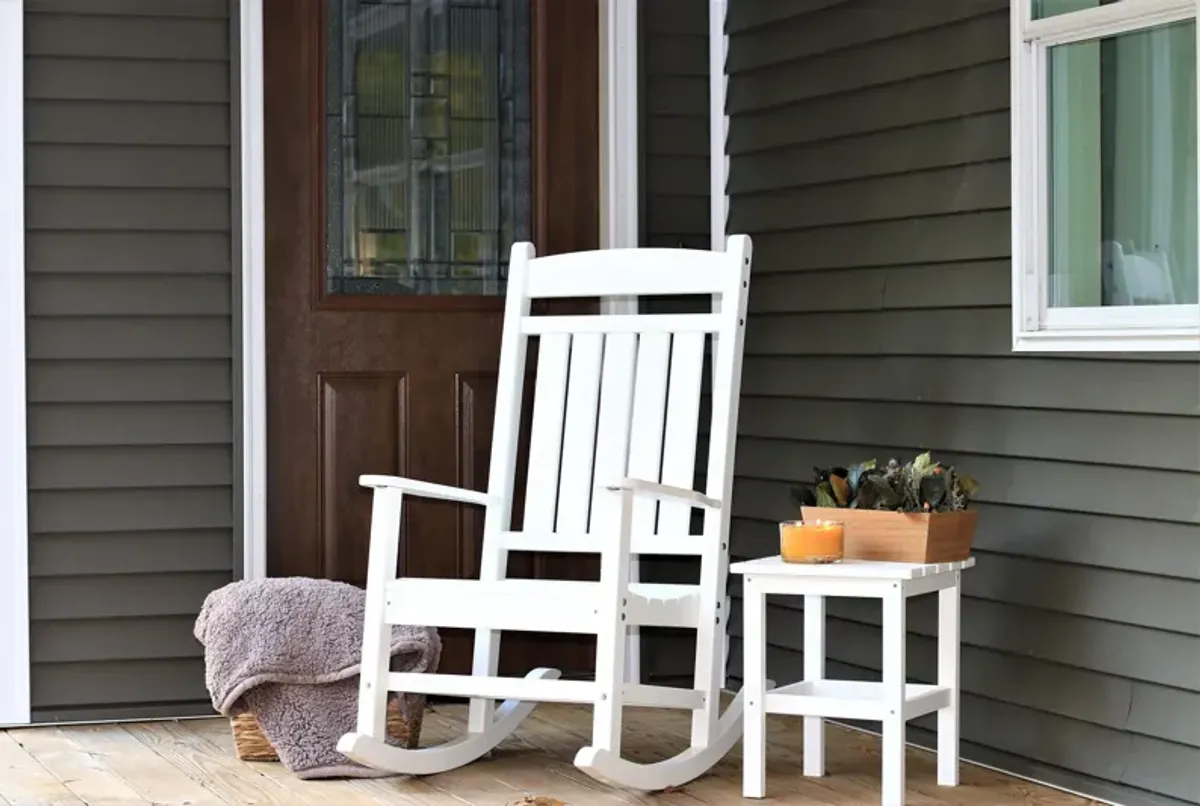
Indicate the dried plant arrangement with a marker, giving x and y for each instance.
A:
(921, 485)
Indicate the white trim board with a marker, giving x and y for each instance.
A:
(252, 258)
(718, 123)
(619, 200)
(14, 489)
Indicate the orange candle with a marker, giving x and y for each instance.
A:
(812, 541)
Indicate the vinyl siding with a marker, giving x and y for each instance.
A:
(870, 162)
(674, 129)
(870, 165)
(129, 299)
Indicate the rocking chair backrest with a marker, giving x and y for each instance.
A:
(616, 396)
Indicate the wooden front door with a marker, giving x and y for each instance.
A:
(408, 144)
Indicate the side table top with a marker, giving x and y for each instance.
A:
(857, 569)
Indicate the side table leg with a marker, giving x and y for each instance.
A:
(814, 669)
(895, 635)
(949, 600)
(754, 724)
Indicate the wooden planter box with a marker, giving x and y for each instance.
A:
(905, 537)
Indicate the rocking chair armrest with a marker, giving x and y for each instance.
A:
(652, 489)
(425, 489)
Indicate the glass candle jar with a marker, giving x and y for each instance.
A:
(817, 541)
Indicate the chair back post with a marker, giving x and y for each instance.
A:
(714, 564)
(506, 426)
(502, 468)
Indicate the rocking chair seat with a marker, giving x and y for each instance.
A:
(536, 605)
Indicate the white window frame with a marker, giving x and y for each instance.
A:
(1036, 326)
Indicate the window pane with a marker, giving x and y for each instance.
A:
(427, 144)
(1122, 161)
(1052, 8)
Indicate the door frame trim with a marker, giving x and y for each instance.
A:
(250, 256)
(15, 699)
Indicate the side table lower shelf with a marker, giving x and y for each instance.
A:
(852, 699)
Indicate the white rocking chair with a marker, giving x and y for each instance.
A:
(611, 463)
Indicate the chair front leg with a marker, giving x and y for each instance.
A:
(613, 626)
(383, 553)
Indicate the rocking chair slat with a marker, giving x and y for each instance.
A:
(612, 459)
(683, 419)
(649, 412)
(579, 433)
(612, 428)
(545, 441)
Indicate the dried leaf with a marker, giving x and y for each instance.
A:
(825, 496)
(969, 486)
(841, 489)
(876, 493)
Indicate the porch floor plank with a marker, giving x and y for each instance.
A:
(86, 777)
(192, 762)
(25, 781)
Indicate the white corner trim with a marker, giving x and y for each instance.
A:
(253, 263)
(718, 123)
(619, 199)
(14, 490)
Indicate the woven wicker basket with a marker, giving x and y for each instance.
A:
(252, 745)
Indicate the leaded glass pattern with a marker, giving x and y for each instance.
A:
(427, 140)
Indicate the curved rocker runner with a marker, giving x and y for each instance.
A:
(612, 455)
(451, 755)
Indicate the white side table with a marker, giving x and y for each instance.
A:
(893, 701)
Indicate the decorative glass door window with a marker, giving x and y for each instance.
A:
(427, 144)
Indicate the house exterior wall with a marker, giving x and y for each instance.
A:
(674, 130)
(870, 165)
(129, 334)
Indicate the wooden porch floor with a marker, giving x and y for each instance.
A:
(192, 762)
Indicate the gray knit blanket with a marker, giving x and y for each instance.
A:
(288, 649)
